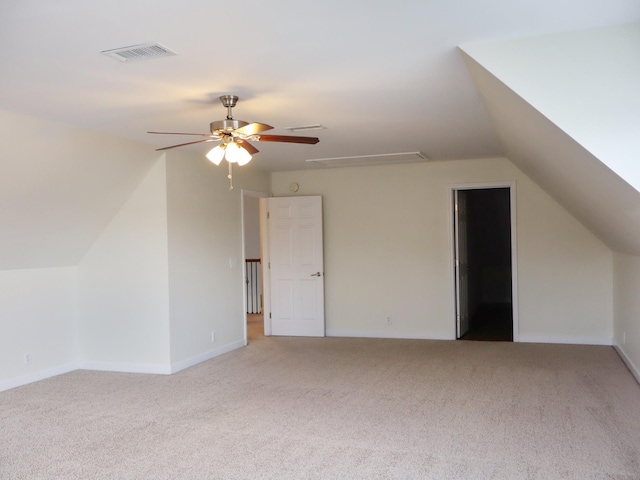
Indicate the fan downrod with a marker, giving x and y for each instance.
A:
(228, 125)
(229, 101)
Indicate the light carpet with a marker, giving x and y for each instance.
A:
(336, 408)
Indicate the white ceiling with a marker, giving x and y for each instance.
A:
(381, 77)
(607, 205)
(566, 109)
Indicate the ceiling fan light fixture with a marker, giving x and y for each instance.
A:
(245, 157)
(235, 136)
(237, 154)
(216, 154)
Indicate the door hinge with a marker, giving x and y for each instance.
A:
(269, 314)
(268, 215)
(269, 265)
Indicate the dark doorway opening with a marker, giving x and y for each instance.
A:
(489, 269)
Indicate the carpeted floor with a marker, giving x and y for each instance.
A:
(336, 408)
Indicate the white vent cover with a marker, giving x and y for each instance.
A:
(134, 53)
(380, 159)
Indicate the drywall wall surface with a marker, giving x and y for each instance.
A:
(205, 255)
(123, 285)
(565, 274)
(627, 309)
(583, 81)
(38, 321)
(60, 186)
(388, 260)
(251, 212)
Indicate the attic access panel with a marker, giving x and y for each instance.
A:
(378, 159)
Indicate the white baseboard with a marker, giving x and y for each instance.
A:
(566, 339)
(627, 361)
(144, 368)
(203, 357)
(523, 338)
(149, 368)
(395, 335)
(160, 369)
(37, 376)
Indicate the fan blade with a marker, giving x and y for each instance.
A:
(176, 133)
(247, 146)
(253, 128)
(188, 143)
(287, 138)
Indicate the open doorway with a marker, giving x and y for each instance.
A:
(252, 259)
(484, 263)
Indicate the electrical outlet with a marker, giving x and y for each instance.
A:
(213, 335)
(27, 359)
(389, 321)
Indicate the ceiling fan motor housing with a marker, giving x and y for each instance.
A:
(227, 125)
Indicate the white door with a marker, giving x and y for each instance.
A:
(296, 266)
(461, 263)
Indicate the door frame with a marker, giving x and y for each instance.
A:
(249, 193)
(511, 185)
(461, 254)
(266, 258)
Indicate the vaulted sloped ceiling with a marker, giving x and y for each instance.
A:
(382, 79)
(566, 109)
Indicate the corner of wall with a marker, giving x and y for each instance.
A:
(627, 361)
(626, 309)
(123, 304)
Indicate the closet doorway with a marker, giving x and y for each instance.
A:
(484, 263)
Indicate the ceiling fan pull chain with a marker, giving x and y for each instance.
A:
(230, 176)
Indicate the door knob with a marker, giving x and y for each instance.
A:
(317, 274)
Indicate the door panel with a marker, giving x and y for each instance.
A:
(461, 263)
(307, 247)
(297, 266)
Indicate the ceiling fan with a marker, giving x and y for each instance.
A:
(234, 136)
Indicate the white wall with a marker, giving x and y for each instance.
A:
(59, 188)
(565, 274)
(627, 309)
(251, 212)
(205, 253)
(38, 317)
(123, 286)
(388, 253)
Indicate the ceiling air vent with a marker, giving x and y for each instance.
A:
(380, 159)
(134, 53)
